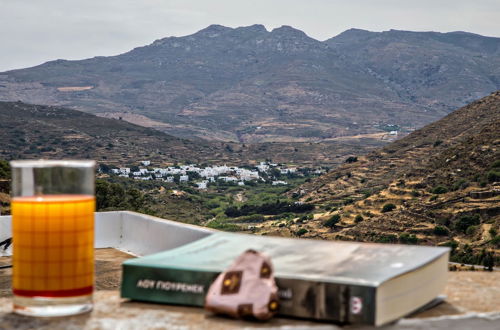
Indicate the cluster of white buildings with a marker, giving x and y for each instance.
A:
(207, 174)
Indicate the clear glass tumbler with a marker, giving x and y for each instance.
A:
(53, 206)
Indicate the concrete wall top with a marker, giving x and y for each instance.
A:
(136, 233)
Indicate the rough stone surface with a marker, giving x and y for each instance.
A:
(472, 303)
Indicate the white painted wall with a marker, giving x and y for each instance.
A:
(137, 233)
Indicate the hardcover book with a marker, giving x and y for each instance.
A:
(345, 282)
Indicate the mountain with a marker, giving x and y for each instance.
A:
(435, 70)
(250, 85)
(36, 131)
(438, 185)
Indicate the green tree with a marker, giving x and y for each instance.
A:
(388, 207)
(466, 221)
(104, 168)
(113, 196)
(135, 199)
(489, 260)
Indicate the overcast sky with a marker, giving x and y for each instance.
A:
(36, 31)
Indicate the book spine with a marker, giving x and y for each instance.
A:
(327, 301)
(163, 285)
(298, 298)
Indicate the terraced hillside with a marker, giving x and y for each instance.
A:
(439, 185)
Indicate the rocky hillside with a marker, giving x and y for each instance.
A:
(251, 85)
(438, 185)
(35, 131)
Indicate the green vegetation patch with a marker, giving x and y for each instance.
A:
(406, 238)
(332, 222)
(465, 221)
(4, 169)
(268, 208)
(441, 231)
(221, 225)
(386, 238)
(301, 232)
(388, 207)
(439, 190)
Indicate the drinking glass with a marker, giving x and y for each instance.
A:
(53, 206)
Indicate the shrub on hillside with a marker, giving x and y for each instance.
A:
(388, 207)
(466, 221)
(441, 231)
(493, 175)
(301, 232)
(348, 201)
(406, 238)
(439, 190)
(451, 244)
(496, 241)
(218, 224)
(415, 193)
(387, 238)
(459, 185)
(358, 218)
(332, 222)
(471, 230)
(250, 218)
(4, 169)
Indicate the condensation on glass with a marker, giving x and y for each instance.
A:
(53, 206)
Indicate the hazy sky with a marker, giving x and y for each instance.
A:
(36, 31)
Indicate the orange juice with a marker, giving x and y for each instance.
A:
(53, 245)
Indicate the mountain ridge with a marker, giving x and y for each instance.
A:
(248, 84)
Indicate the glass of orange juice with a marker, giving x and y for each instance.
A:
(53, 206)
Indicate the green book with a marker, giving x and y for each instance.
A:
(345, 282)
